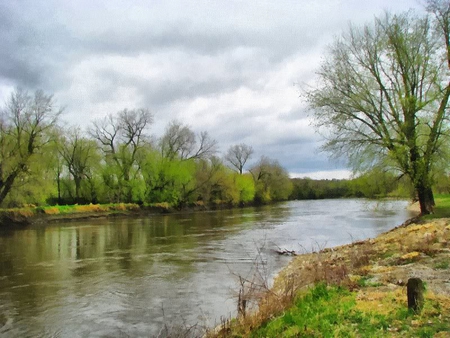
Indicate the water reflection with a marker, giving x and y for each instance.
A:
(128, 276)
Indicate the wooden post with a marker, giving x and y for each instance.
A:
(414, 290)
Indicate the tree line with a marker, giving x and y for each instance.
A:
(373, 184)
(117, 160)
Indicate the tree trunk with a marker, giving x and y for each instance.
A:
(414, 290)
(58, 184)
(77, 189)
(426, 198)
(5, 188)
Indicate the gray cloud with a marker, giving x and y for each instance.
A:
(232, 68)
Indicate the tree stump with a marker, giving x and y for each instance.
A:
(414, 290)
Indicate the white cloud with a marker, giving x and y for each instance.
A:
(232, 68)
(324, 175)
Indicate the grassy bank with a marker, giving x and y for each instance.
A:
(32, 214)
(442, 209)
(357, 290)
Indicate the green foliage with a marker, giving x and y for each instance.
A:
(272, 181)
(26, 123)
(313, 315)
(373, 184)
(443, 265)
(165, 178)
(223, 189)
(331, 311)
(34, 186)
(442, 184)
(306, 188)
(442, 208)
(245, 186)
(380, 183)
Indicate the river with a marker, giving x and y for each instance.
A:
(132, 277)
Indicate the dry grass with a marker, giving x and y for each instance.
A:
(51, 211)
(20, 212)
(27, 215)
(376, 269)
(89, 208)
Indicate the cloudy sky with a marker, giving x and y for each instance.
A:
(233, 68)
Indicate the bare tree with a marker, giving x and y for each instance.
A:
(121, 137)
(177, 141)
(238, 155)
(180, 141)
(24, 123)
(207, 146)
(384, 96)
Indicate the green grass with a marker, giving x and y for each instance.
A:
(443, 265)
(365, 281)
(333, 312)
(442, 208)
(89, 208)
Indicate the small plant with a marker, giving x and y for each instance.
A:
(443, 265)
(365, 281)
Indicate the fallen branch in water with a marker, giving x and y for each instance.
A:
(285, 252)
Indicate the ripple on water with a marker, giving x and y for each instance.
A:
(130, 277)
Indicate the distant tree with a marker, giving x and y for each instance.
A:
(180, 141)
(166, 179)
(24, 125)
(209, 180)
(238, 155)
(246, 187)
(384, 93)
(272, 181)
(121, 137)
(376, 183)
(80, 156)
(55, 162)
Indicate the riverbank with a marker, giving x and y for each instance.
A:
(19, 217)
(32, 215)
(357, 289)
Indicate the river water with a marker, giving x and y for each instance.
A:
(131, 277)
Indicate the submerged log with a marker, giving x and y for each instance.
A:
(286, 252)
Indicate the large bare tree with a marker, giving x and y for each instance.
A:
(24, 125)
(122, 136)
(238, 155)
(384, 93)
(179, 141)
